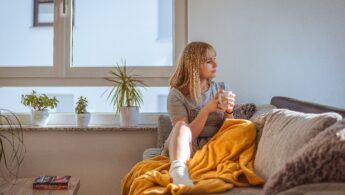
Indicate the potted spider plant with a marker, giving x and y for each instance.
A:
(125, 94)
(12, 149)
(39, 104)
(83, 116)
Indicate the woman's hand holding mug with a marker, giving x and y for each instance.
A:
(223, 101)
(226, 100)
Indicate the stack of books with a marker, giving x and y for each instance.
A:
(51, 182)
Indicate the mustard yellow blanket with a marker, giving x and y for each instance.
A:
(224, 162)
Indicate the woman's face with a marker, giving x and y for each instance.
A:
(209, 68)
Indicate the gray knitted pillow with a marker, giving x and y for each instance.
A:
(322, 159)
(244, 111)
(164, 129)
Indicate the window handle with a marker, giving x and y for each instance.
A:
(63, 8)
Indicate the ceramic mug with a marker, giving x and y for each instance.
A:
(224, 96)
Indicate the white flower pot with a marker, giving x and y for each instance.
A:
(39, 117)
(83, 120)
(129, 116)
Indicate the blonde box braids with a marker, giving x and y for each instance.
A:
(186, 77)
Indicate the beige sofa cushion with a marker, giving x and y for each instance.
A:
(284, 132)
(322, 159)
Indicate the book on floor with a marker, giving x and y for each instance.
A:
(51, 182)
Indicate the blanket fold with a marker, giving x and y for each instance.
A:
(224, 162)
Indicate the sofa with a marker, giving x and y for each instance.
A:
(300, 148)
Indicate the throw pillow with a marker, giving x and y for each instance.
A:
(321, 160)
(244, 111)
(285, 132)
(164, 129)
(258, 118)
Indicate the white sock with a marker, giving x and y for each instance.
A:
(179, 173)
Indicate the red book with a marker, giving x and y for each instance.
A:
(51, 182)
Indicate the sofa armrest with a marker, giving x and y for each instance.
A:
(151, 152)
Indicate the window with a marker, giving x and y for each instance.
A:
(162, 102)
(68, 61)
(104, 32)
(43, 13)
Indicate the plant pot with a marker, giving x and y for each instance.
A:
(83, 120)
(129, 116)
(39, 117)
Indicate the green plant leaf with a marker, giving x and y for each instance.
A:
(13, 137)
(39, 102)
(125, 91)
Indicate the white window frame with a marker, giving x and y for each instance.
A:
(63, 74)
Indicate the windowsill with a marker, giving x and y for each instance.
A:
(140, 127)
(98, 120)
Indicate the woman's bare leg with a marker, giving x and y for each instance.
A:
(179, 153)
(180, 142)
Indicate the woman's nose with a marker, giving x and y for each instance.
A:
(215, 64)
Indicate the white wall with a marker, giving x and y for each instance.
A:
(265, 48)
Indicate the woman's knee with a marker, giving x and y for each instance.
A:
(181, 127)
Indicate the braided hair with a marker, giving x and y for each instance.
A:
(186, 77)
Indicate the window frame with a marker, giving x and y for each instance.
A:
(61, 73)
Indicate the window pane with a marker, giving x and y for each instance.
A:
(21, 44)
(107, 31)
(165, 15)
(154, 98)
(46, 13)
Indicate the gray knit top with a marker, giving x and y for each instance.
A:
(180, 106)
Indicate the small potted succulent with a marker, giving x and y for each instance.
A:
(125, 95)
(39, 104)
(83, 117)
